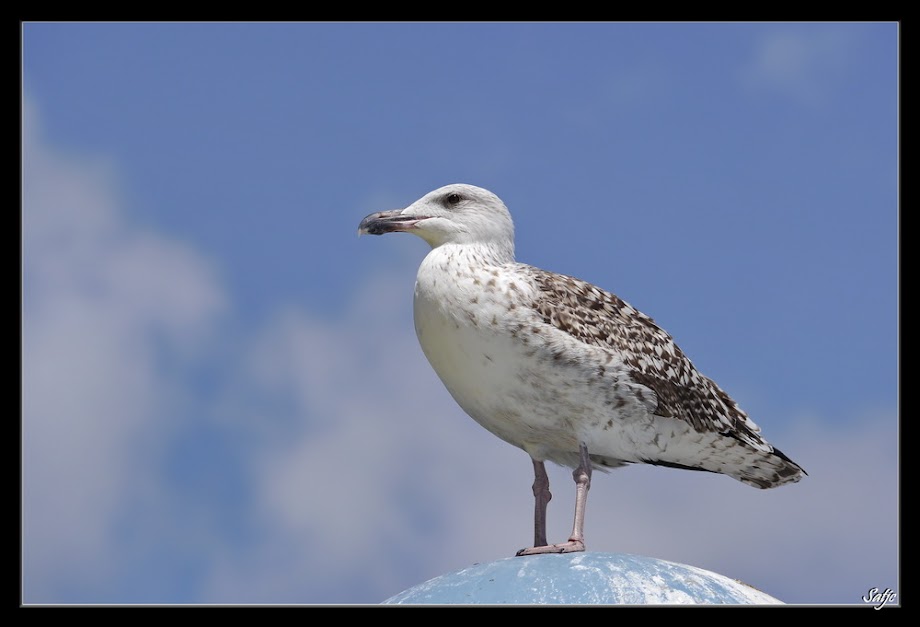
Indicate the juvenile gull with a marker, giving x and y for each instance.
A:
(560, 368)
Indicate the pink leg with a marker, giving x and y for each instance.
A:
(582, 476)
(542, 496)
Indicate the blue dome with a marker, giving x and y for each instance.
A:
(582, 578)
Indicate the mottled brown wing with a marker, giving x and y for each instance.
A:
(599, 318)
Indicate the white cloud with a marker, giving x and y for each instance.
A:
(101, 301)
(372, 469)
(804, 63)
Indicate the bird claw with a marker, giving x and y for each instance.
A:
(572, 546)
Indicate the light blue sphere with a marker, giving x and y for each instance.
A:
(582, 578)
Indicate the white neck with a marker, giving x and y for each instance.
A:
(495, 253)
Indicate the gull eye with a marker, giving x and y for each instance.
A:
(453, 199)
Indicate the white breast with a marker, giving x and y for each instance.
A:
(496, 359)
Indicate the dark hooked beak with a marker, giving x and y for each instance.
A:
(387, 222)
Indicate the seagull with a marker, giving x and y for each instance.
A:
(560, 368)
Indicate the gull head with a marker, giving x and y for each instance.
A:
(453, 214)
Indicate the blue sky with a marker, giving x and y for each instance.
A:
(223, 397)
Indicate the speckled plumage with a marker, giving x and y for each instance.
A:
(566, 371)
